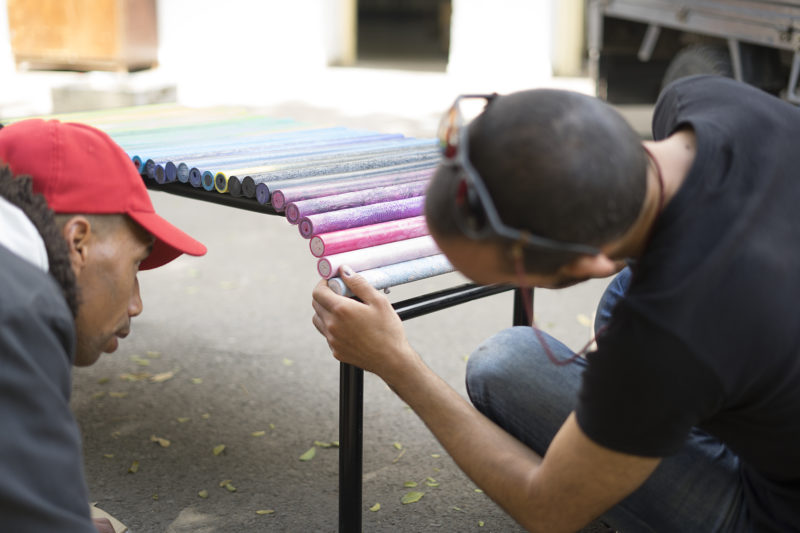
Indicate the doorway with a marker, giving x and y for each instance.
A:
(404, 34)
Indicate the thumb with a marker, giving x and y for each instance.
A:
(359, 286)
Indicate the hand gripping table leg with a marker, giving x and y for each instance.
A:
(351, 394)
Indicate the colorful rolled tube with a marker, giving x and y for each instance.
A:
(171, 171)
(356, 194)
(360, 216)
(264, 187)
(296, 193)
(207, 180)
(268, 142)
(183, 172)
(307, 164)
(164, 173)
(221, 182)
(250, 189)
(234, 186)
(149, 168)
(208, 142)
(159, 175)
(304, 152)
(378, 256)
(296, 210)
(196, 178)
(313, 169)
(137, 162)
(397, 274)
(142, 140)
(365, 236)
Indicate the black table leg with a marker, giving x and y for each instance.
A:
(520, 317)
(351, 396)
(351, 422)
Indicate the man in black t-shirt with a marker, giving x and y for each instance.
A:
(687, 416)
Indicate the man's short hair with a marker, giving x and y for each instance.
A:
(19, 192)
(558, 164)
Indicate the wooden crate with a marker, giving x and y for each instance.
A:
(119, 35)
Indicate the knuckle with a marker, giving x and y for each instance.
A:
(334, 328)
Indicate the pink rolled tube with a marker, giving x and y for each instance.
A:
(365, 236)
(378, 256)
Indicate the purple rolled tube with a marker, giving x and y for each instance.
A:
(297, 210)
(196, 177)
(295, 193)
(360, 216)
(183, 173)
(263, 189)
(159, 175)
(171, 171)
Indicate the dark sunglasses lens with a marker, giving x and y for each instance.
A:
(470, 214)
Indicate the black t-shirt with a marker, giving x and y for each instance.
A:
(709, 332)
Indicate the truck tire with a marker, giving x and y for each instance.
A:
(699, 59)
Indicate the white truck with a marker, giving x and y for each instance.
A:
(636, 47)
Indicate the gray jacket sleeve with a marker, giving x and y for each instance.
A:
(42, 485)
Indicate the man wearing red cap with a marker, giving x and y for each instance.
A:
(103, 232)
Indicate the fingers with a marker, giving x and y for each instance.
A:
(360, 287)
(319, 309)
(323, 295)
(320, 325)
(103, 525)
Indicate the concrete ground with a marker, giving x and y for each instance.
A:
(225, 354)
(232, 331)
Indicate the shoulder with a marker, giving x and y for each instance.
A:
(40, 443)
(706, 87)
(698, 100)
(33, 306)
(24, 284)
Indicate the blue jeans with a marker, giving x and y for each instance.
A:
(511, 380)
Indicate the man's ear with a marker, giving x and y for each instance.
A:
(77, 232)
(591, 266)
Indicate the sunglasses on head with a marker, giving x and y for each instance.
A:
(476, 213)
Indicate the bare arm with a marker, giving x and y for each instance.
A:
(574, 483)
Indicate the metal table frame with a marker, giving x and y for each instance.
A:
(351, 393)
(351, 379)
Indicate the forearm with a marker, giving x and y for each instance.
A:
(498, 463)
(575, 483)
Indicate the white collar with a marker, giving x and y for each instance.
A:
(18, 234)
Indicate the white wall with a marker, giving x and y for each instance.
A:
(340, 31)
(505, 40)
(233, 42)
(6, 57)
(263, 52)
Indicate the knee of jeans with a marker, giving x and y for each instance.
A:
(490, 364)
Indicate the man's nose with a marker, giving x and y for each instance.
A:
(135, 306)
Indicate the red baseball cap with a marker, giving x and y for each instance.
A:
(80, 169)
